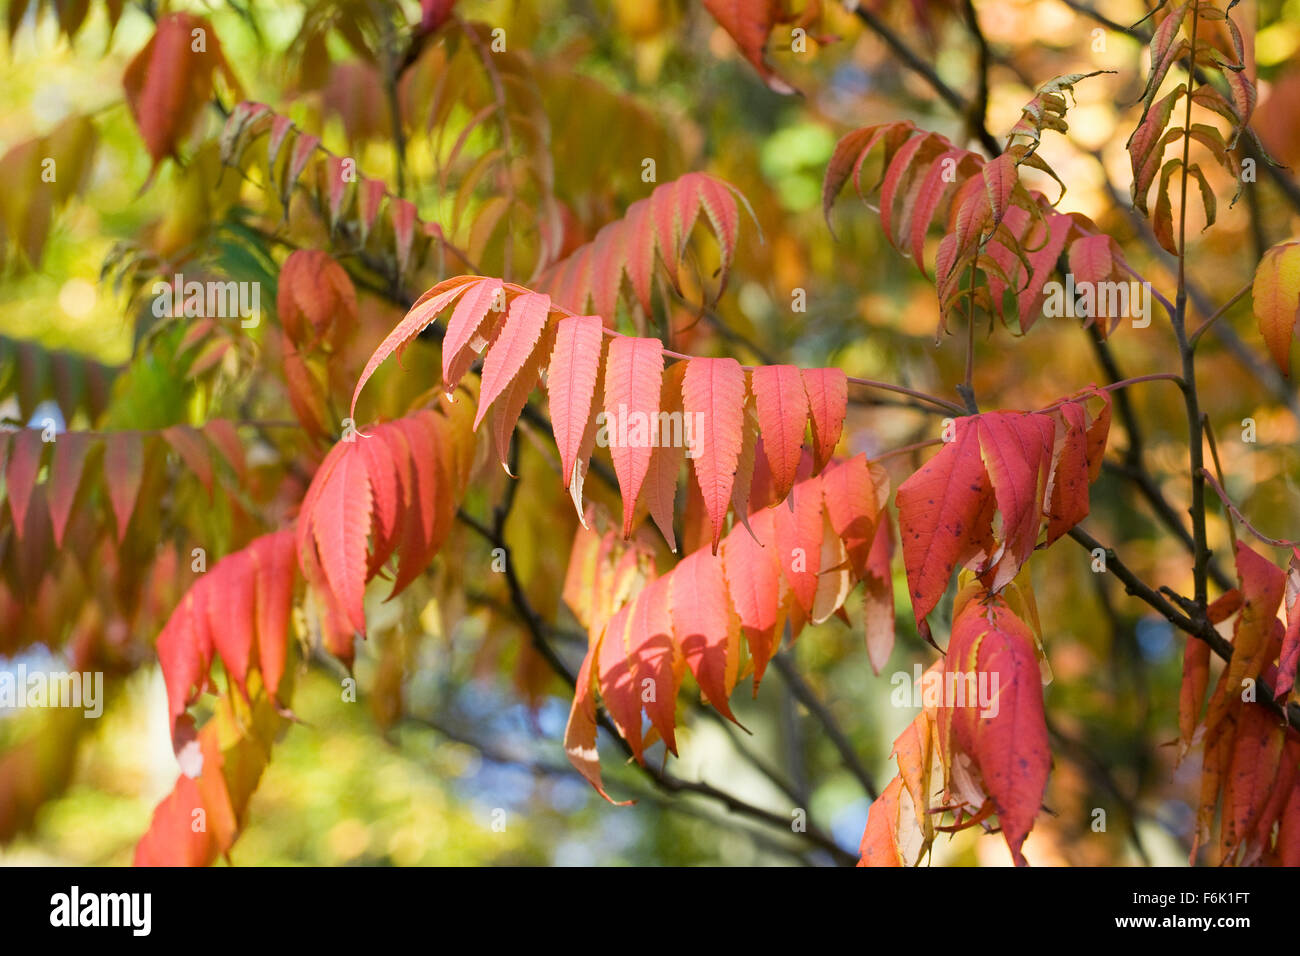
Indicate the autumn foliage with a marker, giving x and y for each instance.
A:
(483, 322)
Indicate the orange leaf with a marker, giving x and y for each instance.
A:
(1276, 293)
(571, 383)
(749, 22)
(704, 627)
(519, 337)
(171, 80)
(828, 402)
(633, 379)
(782, 406)
(1005, 731)
(940, 508)
(713, 391)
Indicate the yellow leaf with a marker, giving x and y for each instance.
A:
(1276, 294)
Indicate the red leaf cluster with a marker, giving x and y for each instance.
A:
(977, 748)
(1029, 469)
(716, 614)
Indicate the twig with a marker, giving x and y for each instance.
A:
(537, 629)
(914, 62)
(1236, 513)
(804, 694)
(1201, 629)
(1196, 336)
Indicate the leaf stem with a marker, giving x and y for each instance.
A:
(1235, 512)
(915, 446)
(1196, 336)
(852, 380)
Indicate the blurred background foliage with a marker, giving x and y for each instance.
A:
(456, 726)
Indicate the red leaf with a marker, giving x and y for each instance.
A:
(172, 839)
(660, 487)
(828, 403)
(1290, 654)
(1288, 834)
(617, 688)
(656, 228)
(852, 500)
(25, 452)
(1016, 450)
(272, 555)
(510, 405)
(879, 845)
(315, 300)
(1090, 259)
(170, 81)
(1005, 733)
(571, 384)
(782, 406)
(1262, 586)
(754, 585)
(580, 732)
(749, 22)
(425, 310)
(70, 450)
(704, 628)
(124, 471)
(434, 13)
(232, 610)
(370, 196)
(713, 390)
(184, 649)
(339, 522)
(1069, 499)
(1252, 772)
(463, 329)
(519, 336)
(799, 534)
(940, 508)
(654, 658)
(633, 380)
(430, 504)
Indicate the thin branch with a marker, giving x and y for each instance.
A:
(537, 629)
(1223, 309)
(906, 449)
(501, 756)
(1201, 629)
(1245, 522)
(917, 64)
(978, 111)
(911, 392)
(804, 694)
(1195, 440)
